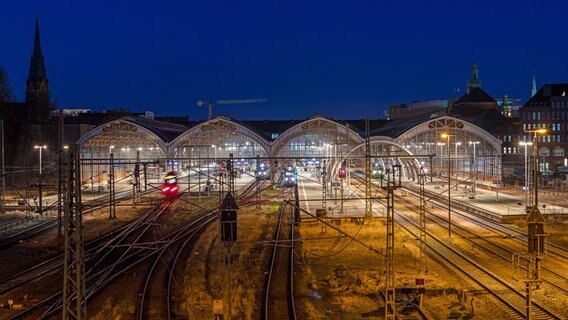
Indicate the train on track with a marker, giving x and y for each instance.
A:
(170, 186)
(262, 172)
(290, 177)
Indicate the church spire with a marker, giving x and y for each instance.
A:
(37, 86)
(473, 81)
(533, 92)
(37, 65)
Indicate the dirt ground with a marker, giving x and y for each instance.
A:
(339, 279)
(207, 274)
(342, 279)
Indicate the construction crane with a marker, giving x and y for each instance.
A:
(201, 103)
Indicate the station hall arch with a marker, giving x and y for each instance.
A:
(473, 152)
(125, 139)
(316, 137)
(384, 153)
(217, 139)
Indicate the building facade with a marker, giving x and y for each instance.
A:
(548, 109)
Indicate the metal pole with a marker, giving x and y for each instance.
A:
(208, 182)
(2, 176)
(535, 154)
(40, 184)
(145, 178)
(526, 178)
(528, 287)
(341, 212)
(431, 168)
(449, 191)
(189, 178)
(199, 173)
(59, 178)
(456, 161)
(474, 168)
(112, 208)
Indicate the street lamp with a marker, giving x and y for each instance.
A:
(110, 150)
(525, 144)
(40, 182)
(215, 147)
(441, 144)
(446, 135)
(457, 166)
(535, 155)
(474, 143)
(40, 148)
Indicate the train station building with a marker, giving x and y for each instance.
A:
(472, 152)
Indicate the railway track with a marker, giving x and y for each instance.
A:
(474, 214)
(121, 248)
(157, 274)
(98, 269)
(38, 229)
(151, 291)
(508, 297)
(279, 292)
(162, 272)
(497, 245)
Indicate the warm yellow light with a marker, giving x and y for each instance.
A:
(542, 130)
(445, 135)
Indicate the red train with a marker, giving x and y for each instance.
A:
(170, 187)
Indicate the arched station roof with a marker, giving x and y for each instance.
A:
(211, 132)
(123, 132)
(450, 125)
(316, 125)
(139, 132)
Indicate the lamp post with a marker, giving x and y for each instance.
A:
(40, 178)
(535, 155)
(474, 143)
(215, 147)
(525, 144)
(457, 166)
(445, 135)
(441, 144)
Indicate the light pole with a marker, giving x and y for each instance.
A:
(525, 144)
(445, 135)
(215, 147)
(535, 155)
(40, 178)
(474, 143)
(457, 166)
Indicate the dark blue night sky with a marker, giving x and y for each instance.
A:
(343, 59)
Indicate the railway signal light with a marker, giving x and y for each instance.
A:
(342, 173)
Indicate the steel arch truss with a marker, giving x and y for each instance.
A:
(384, 152)
(472, 151)
(317, 136)
(125, 137)
(452, 126)
(222, 137)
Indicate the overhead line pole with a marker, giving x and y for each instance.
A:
(368, 201)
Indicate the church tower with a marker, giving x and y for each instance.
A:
(473, 81)
(37, 86)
